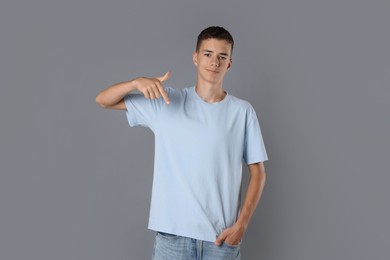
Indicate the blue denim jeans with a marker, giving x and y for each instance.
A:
(172, 247)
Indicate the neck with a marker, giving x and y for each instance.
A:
(210, 93)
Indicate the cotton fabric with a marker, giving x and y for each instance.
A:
(199, 150)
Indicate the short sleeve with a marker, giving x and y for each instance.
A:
(254, 149)
(143, 111)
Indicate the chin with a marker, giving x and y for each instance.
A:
(214, 81)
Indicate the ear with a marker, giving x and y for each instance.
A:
(230, 64)
(195, 58)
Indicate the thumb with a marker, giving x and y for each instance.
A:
(165, 77)
(221, 238)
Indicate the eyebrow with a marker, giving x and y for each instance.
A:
(222, 53)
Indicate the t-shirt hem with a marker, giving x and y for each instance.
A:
(257, 161)
(208, 238)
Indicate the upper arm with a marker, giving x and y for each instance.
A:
(256, 168)
(254, 148)
(120, 105)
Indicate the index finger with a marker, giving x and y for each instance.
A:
(163, 93)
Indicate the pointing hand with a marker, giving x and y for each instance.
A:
(152, 87)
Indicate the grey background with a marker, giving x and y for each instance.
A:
(75, 179)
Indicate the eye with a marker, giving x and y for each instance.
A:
(207, 54)
(223, 58)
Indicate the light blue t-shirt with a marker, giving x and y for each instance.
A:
(199, 149)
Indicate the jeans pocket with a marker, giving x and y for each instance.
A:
(232, 246)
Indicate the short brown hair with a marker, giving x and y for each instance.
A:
(215, 32)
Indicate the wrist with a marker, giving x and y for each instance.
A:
(242, 221)
(132, 85)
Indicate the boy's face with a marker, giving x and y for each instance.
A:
(213, 60)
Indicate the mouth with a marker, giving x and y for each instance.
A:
(213, 71)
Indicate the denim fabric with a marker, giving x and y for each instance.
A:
(172, 247)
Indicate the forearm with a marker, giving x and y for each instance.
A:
(253, 193)
(115, 93)
(233, 235)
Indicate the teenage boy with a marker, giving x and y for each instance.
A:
(202, 134)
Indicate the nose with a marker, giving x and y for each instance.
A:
(215, 62)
